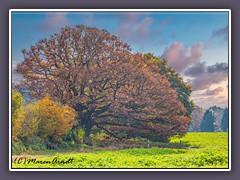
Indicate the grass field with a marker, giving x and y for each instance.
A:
(199, 150)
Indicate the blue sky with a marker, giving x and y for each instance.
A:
(189, 40)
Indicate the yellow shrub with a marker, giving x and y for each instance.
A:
(47, 119)
(17, 113)
(54, 120)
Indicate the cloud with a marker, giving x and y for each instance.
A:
(221, 33)
(208, 43)
(214, 91)
(129, 17)
(208, 101)
(14, 65)
(181, 58)
(200, 68)
(204, 76)
(195, 70)
(52, 22)
(165, 22)
(16, 77)
(205, 81)
(142, 27)
(164, 40)
(217, 34)
(138, 29)
(89, 19)
(218, 67)
(131, 27)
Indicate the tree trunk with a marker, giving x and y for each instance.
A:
(87, 132)
(86, 122)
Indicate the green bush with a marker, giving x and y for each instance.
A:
(75, 136)
(64, 145)
(32, 143)
(18, 147)
(102, 139)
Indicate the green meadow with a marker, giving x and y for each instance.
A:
(195, 150)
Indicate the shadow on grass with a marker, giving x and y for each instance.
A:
(173, 145)
(150, 148)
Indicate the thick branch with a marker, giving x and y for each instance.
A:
(102, 110)
(108, 132)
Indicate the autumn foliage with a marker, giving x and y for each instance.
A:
(17, 113)
(182, 89)
(110, 88)
(48, 120)
(45, 119)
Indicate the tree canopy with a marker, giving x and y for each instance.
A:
(177, 83)
(109, 87)
(48, 120)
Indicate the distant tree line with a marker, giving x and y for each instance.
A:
(214, 119)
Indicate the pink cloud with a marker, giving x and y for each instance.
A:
(142, 27)
(204, 76)
(53, 21)
(132, 28)
(166, 22)
(129, 17)
(205, 80)
(208, 43)
(89, 19)
(215, 91)
(180, 58)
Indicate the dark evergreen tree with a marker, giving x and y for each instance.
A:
(207, 124)
(224, 122)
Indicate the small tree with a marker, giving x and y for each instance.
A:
(54, 119)
(17, 113)
(17, 103)
(207, 124)
(224, 122)
(47, 119)
(29, 125)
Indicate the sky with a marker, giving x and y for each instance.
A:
(194, 43)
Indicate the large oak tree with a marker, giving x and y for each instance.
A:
(109, 87)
